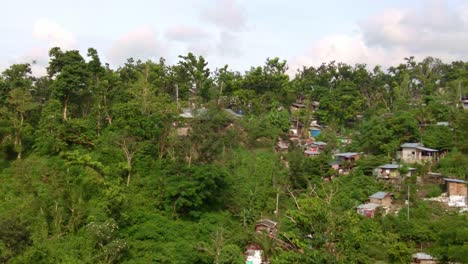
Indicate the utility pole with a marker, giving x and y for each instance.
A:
(277, 203)
(177, 95)
(408, 202)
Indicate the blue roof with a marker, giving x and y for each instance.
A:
(379, 195)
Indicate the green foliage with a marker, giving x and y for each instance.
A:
(92, 169)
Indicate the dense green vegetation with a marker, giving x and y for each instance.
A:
(93, 170)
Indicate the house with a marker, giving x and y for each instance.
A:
(464, 101)
(417, 153)
(368, 209)
(253, 254)
(297, 106)
(319, 144)
(314, 148)
(423, 258)
(391, 172)
(348, 156)
(314, 130)
(282, 146)
(443, 123)
(267, 226)
(456, 192)
(311, 153)
(382, 198)
(345, 161)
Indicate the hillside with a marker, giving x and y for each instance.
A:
(158, 163)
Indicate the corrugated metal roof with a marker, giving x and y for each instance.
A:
(426, 149)
(347, 154)
(368, 206)
(411, 145)
(379, 195)
(454, 180)
(267, 222)
(390, 166)
(319, 143)
(423, 256)
(443, 123)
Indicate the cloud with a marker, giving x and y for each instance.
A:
(388, 37)
(433, 28)
(229, 44)
(226, 14)
(141, 43)
(53, 34)
(38, 59)
(186, 33)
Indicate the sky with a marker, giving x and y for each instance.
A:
(240, 33)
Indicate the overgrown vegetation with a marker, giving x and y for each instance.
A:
(93, 168)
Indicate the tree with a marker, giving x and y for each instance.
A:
(19, 103)
(69, 71)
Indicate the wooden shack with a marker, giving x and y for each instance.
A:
(382, 198)
(456, 187)
(267, 226)
(423, 258)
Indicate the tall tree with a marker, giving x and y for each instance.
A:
(69, 71)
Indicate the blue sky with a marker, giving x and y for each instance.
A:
(239, 33)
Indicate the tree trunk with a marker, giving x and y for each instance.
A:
(99, 120)
(65, 108)
(108, 117)
(129, 164)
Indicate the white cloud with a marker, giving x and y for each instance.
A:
(53, 34)
(227, 14)
(39, 60)
(387, 38)
(141, 43)
(186, 33)
(229, 44)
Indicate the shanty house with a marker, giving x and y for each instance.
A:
(297, 106)
(417, 153)
(282, 146)
(253, 254)
(382, 198)
(368, 209)
(464, 101)
(345, 161)
(314, 148)
(457, 192)
(314, 130)
(391, 172)
(348, 156)
(423, 258)
(266, 226)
